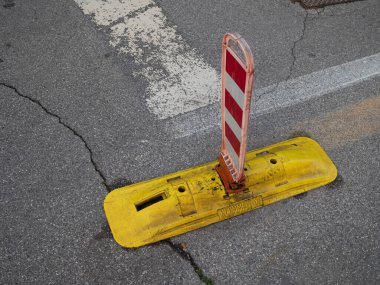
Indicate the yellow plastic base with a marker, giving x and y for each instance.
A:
(160, 208)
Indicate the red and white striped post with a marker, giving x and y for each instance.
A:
(237, 81)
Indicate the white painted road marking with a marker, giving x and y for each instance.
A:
(107, 12)
(287, 93)
(178, 79)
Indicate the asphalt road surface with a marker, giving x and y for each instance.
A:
(99, 94)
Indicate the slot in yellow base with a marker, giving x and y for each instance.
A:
(167, 206)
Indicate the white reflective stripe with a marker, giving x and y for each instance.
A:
(232, 153)
(234, 90)
(233, 125)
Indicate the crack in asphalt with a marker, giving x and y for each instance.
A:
(104, 233)
(60, 121)
(175, 247)
(269, 91)
(294, 58)
(187, 256)
(295, 45)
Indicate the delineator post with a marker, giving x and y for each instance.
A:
(237, 81)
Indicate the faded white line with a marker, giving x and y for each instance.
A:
(178, 79)
(287, 93)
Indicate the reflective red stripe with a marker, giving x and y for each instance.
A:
(232, 139)
(235, 70)
(234, 108)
